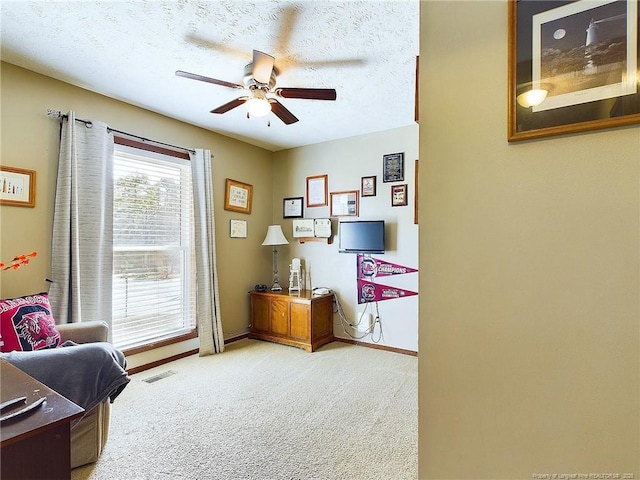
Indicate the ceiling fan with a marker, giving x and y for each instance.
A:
(260, 81)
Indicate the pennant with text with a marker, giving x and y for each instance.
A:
(370, 268)
(374, 292)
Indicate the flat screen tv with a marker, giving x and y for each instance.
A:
(365, 236)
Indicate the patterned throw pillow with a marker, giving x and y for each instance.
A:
(26, 324)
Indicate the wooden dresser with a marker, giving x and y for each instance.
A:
(299, 320)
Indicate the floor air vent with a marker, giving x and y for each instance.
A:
(160, 376)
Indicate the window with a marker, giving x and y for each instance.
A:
(153, 261)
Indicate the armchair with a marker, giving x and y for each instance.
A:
(88, 436)
(75, 360)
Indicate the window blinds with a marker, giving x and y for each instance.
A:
(154, 272)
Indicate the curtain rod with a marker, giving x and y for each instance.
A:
(88, 123)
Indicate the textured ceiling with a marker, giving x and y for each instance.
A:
(130, 50)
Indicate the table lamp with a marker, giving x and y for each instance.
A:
(275, 237)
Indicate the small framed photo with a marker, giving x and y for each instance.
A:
(393, 167)
(238, 196)
(344, 204)
(368, 186)
(292, 207)
(399, 195)
(17, 187)
(238, 229)
(317, 190)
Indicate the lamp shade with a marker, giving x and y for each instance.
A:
(275, 236)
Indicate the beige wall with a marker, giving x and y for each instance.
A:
(30, 140)
(529, 256)
(345, 162)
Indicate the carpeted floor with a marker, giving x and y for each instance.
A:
(267, 411)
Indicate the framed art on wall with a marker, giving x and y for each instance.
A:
(317, 191)
(399, 195)
(344, 204)
(393, 167)
(573, 66)
(238, 229)
(238, 196)
(17, 187)
(303, 228)
(368, 186)
(292, 207)
(415, 193)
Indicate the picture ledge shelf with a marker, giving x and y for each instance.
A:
(328, 240)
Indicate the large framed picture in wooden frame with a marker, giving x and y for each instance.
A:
(317, 190)
(238, 196)
(573, 66)
(344, 204)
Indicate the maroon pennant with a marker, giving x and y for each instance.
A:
(374, 292)
(370, 268)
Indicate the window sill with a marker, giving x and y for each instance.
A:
(160, 343)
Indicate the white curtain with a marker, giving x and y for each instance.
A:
(82, 244)
(208, 297)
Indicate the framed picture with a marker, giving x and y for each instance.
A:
(17, 187)
(393, 167)
(292, 207)
(368, 186)
(303, 228)
(322, 228)
(573, 67)
(238, 196)
(238, 229)
(344, 204)
(399, 195)
(415, 194)
(317, 191)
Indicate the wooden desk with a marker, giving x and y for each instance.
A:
(299, 320)
(36, 445)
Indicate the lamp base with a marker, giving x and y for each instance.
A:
(276, 287)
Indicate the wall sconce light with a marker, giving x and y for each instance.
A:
(275, 237)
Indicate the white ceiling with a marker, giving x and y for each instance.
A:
(130, 50)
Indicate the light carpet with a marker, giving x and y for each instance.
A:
(266, 411)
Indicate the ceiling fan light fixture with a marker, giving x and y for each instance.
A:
(259, 81)
(258, 105)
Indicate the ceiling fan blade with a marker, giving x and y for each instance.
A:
(281, 112)
(262, 67)
(230, 105)
(308, 93)
(195, 76)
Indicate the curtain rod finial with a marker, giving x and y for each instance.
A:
(54, 113)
